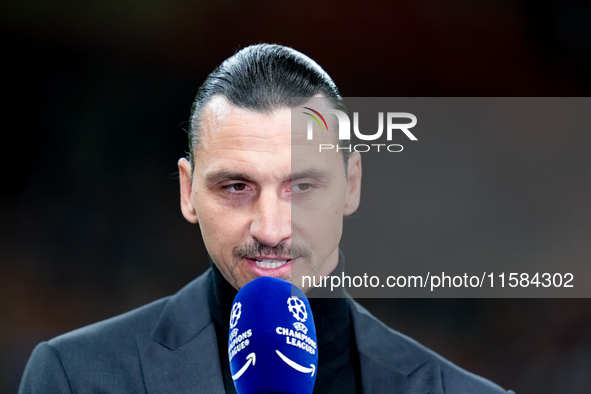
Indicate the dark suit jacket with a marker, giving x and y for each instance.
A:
(169, 346)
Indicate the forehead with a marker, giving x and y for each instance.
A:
(227, 125)
(238, 139)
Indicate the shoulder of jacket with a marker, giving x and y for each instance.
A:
(402, 354)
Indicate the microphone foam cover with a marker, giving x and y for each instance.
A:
(272, 343)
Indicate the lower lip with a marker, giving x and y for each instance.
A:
(280, 272)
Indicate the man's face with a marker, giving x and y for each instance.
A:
(267, 202)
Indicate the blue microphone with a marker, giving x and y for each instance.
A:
(272, 344)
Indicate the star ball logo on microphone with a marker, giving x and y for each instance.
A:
(344, 125)
(236, 312)
(297, 308)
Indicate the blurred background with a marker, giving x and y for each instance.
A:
(95, 98)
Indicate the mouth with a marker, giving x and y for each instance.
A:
(276, 266)
(270, 263)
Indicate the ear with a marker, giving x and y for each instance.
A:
(353, 184)
(187, 206)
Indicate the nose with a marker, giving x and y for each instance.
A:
(271, 223)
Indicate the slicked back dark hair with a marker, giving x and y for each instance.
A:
(264, 78)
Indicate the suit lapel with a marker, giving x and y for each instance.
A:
(181, 355)
(391, 362)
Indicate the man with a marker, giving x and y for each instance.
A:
(267, 205)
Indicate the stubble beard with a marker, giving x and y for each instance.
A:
(255, 248)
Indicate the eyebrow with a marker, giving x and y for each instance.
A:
(309, 173)
(224, 175)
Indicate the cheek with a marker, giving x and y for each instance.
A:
(321, 227)
(337, 209)
(322, 213)
(220, 228)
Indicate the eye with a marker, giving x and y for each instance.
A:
(239, 187)
(236, 187)
(302, 187)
